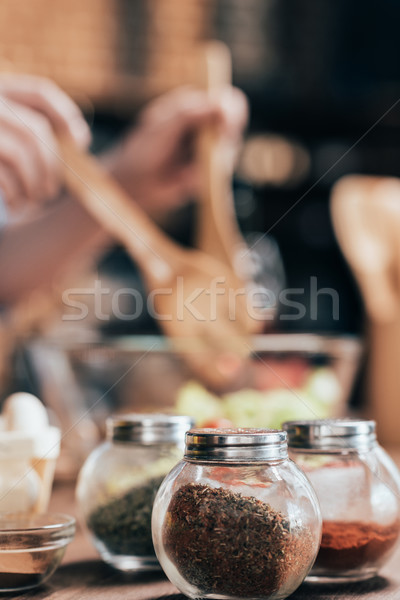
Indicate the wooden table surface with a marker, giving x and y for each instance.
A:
(83, 576)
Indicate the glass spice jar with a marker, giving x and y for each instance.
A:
(118, 483)
(236, 518)
(358, 487)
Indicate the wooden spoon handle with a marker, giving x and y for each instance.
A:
(107, 202)
(217, 230)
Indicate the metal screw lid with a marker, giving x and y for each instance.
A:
(148, 428)
(331, 434)
(235, 445)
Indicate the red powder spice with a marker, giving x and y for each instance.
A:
(351, 545)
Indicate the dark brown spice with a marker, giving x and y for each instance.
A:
(225, 543)
(351, 545)
(123, 525)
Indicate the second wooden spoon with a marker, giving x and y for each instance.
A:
(217, 229)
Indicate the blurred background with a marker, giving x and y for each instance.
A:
(318, 76)
(322, 78)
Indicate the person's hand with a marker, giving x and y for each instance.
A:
(156, 163)
(30, 109)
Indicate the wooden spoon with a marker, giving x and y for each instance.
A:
(193, 296)
(217, 230)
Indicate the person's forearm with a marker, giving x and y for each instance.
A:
(32, 253)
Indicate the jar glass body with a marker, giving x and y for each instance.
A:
(359, 496)
(116, 489)
(224, 530)
(19, 486)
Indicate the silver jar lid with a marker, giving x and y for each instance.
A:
(331, 434)
(148, 428)
(235, 445)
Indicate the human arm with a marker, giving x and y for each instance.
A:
(155, 163)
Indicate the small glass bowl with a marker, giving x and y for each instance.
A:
(31, 548)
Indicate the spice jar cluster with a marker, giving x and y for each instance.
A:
(240, 515)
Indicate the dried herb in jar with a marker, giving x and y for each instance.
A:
(226, 543)
(123, 525)
(349, 545)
